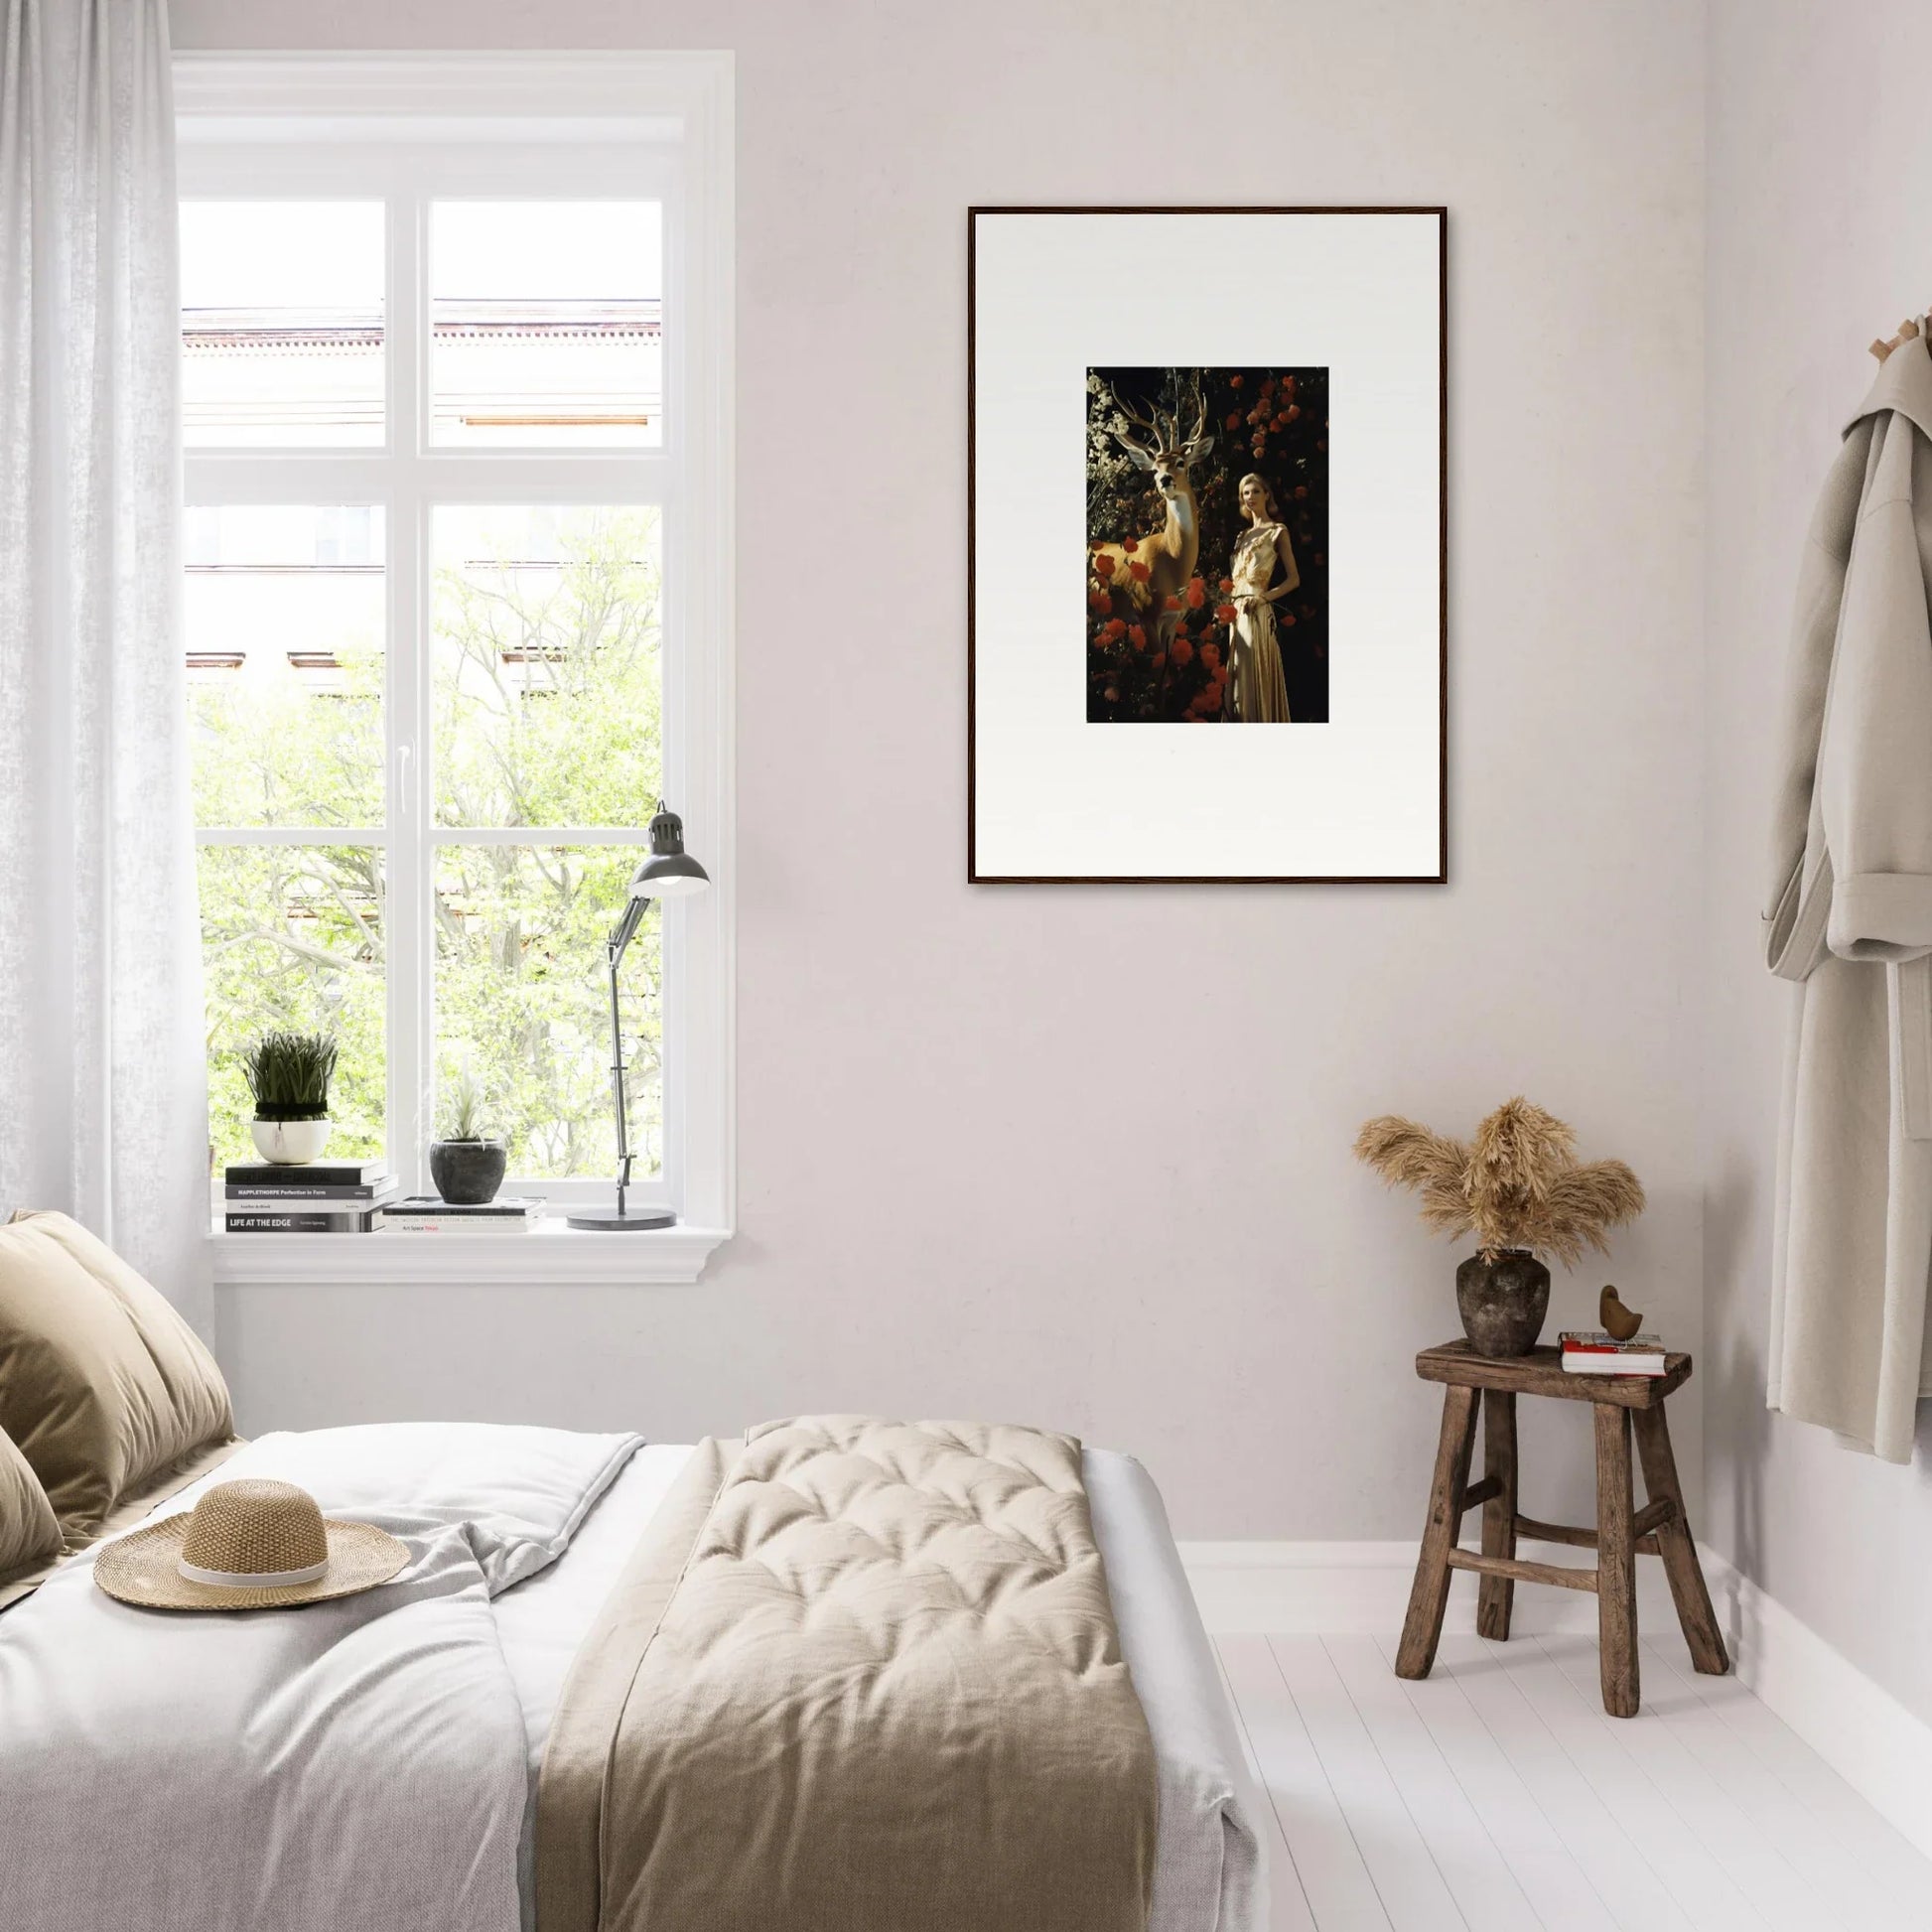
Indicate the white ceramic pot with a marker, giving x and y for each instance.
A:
(290, 1143)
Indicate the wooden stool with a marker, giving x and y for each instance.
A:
(1659, 1529)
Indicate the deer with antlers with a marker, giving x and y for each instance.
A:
(1166, 555)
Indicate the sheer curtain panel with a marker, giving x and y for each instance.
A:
(102, 1066)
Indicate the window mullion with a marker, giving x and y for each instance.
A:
(409, 911)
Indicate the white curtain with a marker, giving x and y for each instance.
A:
(101, 1063)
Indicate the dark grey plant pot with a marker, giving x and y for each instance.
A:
(1503, 1301)
(467, 1174)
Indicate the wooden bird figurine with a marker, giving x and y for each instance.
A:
(1615, 1320)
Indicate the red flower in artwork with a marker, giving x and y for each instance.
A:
(1136, 637)
(1140, 571)
(1224, 613)
(1287, 386)
(1294, 410)
(1170, 604)
(1111, 695)
(1211, 657)
(1131, 545)
(1235, 381)
(1267, 385)
(1234, 419)
(1099, 599)
(1196, 594)
(1159, 661)
(1103, 565)
(1257, 446)
(1182, 650)
(1114, 631)
(1300, 490)
(1288, 618)
(1254, 416)
(1227, 584)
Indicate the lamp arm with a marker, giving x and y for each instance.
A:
(615, 948)
(627, 926)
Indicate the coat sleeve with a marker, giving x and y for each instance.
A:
(1798, 902)
(1874, 766)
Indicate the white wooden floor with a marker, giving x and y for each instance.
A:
(1496, 1795)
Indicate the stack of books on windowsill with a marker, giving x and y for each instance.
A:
(1593, 1352)
(426, 1215)
(321, 1197)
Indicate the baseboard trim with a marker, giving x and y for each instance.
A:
(1871, 1741)
(1881, 1750)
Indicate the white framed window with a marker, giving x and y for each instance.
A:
(457, 360)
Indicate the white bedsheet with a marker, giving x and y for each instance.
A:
(1208, 1874)
(353, 1765)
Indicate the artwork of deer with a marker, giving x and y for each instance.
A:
(1166, 555)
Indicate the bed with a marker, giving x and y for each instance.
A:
(499, 1633)
(840, 1674)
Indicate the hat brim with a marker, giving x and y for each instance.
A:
(143, 1569)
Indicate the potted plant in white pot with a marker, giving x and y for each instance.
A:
(289, 1076)
(468, 1163)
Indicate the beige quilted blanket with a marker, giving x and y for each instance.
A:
(861, 1677)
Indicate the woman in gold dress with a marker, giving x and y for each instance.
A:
(1258, 692)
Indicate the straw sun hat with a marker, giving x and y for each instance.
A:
(249, 1545)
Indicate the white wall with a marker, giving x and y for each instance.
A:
(1081, 1156)
(1820, 238)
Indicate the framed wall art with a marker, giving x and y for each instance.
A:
(1206, 454)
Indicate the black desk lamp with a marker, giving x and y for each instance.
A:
(669, 872)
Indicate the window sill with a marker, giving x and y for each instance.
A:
(549, 1253)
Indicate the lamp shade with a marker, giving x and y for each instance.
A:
(670, 871)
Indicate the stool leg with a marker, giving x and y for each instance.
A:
(1422, 1629)
(1495, 1596)
(1677, 1547)
(1616, 1563)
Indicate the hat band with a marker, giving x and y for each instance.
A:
(252, 1578)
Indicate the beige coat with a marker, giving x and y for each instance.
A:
(1850, 918)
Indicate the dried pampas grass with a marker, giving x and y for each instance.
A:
(1517, 1185)
(1433, 1166)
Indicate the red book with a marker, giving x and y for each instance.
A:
(1590, 1351)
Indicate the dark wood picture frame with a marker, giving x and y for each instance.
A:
(973, 874)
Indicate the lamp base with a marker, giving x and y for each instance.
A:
(607, 1220)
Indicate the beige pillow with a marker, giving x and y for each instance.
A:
(102, 1385)
(30, 1537)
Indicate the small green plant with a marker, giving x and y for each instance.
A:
(289, 1076)
(462, 1115)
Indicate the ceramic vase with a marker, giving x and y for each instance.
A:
(1503, 1299)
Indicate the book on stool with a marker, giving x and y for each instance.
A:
(1595, 1351)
